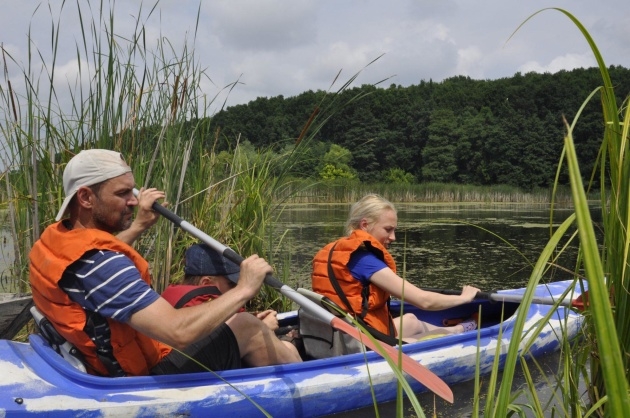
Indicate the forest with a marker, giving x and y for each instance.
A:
(464, 131)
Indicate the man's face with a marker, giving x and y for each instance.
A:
(114, 204)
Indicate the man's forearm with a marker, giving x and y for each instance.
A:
(128, 236)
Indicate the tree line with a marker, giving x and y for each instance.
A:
(485, 132)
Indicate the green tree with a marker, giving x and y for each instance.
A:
(330, 172)
(336, 164)
(438, 156)
(399, 176)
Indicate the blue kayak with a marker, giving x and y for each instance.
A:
(35, 380)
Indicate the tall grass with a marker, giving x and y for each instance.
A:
(605, 344)
(148, 103)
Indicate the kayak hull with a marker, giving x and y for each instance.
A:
(34, 380)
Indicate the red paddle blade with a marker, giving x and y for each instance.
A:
(581, 302)
(414, 369)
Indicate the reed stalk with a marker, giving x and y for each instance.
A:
(605, 342)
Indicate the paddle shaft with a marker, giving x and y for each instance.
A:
(416, 370)
(502, 297)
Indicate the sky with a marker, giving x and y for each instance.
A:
(286, 47)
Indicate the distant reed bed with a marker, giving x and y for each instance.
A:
(301, 191)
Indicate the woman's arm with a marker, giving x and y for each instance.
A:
(389, 281)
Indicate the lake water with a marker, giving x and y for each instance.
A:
(491, 246)
(7, 282)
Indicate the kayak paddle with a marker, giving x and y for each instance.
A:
(579, 303)
(416, 370)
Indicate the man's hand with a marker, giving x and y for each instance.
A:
(146, 217)
(253, 272)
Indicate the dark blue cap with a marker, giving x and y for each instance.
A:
(202, 260)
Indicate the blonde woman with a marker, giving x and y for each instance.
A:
(359, 274)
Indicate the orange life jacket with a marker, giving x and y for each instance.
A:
(55, 251)
(372, 307)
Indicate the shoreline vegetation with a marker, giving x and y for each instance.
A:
(339, 192)
(348, 192)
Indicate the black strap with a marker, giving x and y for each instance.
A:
(335, 283)
(200, 291)
(386, 338)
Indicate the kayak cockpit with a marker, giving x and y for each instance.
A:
(64, 372)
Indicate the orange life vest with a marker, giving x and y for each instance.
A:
(55, 251)
(373, 308)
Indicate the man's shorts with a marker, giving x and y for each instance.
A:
(218, 351)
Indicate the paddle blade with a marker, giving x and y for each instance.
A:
(416, 370)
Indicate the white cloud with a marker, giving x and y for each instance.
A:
(280, 47)
(564, 62)
(255, 25)
(469, 62)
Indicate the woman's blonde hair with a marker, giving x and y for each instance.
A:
(369, 207)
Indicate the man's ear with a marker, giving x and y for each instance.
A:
(206, 281)
(85, 197)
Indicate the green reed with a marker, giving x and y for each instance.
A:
(605, 343)
(148, 104)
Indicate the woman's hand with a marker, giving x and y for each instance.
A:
(270, 318)
(469, 293)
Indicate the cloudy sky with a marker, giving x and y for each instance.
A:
(285, 47)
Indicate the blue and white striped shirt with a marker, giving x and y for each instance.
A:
(108, 283)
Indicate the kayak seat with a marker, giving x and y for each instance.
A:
(64, 348)
(322, 301)
(320, 339)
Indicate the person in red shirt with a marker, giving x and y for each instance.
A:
(208, 275)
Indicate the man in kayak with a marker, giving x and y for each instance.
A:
(207, 275)
(358, 273)
(96, 289)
